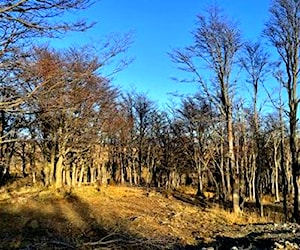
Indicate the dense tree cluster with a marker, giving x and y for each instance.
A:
(64, 124)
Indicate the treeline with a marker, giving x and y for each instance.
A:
(63, 123)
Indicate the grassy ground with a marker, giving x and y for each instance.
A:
(116, 217)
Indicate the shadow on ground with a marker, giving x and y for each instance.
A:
(25, 225)
(275, 239)
(271, 210)
(260, 236)
(67, 223)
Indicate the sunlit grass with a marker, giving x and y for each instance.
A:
(231, 218)
(121, 208)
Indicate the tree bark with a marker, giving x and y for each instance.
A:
(74, 176)
(58, 172)
(199, 182)
(233, 167)
(81, 175)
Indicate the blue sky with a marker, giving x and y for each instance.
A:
(160, 26)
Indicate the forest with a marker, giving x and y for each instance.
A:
(63, 125)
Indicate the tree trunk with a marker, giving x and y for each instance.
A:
(33, 177)
(253, 181)
(46, 173)
(104, 176)
(258, 181)
(81, 176)
(199, 183)
(92, 175)
(64, 182)
(276, 177)
(52, 165)
(295, 163)
(23, 158)
(68, 177)
(228, 178)
(258, 193)
(233, 167)
(135, 176)
(122, 172)
(58, 172)
(74, 177)
(129, 172)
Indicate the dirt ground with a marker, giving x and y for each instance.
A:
(119, 217)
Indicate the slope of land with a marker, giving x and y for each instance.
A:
(119, 217)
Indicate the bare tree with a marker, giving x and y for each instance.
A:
(197, 116)
(164, 151)
(21, 21)
(217, 41)
(254, 62)
(71, 109)
(143, 108)
(283, 31)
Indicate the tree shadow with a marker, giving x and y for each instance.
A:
(70, 222)
(31, 229)
(264, 239)
(191, 199)
(25, 225)
(198, 201)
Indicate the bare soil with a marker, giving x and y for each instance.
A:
(119, 217)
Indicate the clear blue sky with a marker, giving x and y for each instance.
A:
(159, 26)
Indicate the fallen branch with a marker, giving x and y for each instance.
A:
(129, 241)
(103, 240)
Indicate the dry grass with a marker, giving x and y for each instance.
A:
(84, 215)
(231, 218)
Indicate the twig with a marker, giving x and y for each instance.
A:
(128, 241)
(103, 242)
(55, 242)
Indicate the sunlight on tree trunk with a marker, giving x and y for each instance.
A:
(283, 31)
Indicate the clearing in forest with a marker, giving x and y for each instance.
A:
(119, 217)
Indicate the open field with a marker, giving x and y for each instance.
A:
(119, 217)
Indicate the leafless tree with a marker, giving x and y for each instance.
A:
(21, 21)
(71, 109)
(143, 108)
(216, 43)
(255, 62)
(283, 31)
(197, 116)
